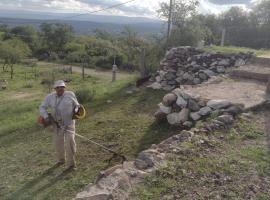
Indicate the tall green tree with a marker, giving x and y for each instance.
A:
(56, 36)
(262, 11)
(12, 51)
(26, 33)
(181, 12)
(185, 30)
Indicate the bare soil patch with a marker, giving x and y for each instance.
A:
(248, 93)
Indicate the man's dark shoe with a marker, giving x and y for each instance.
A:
(61, 162)
(72, 168)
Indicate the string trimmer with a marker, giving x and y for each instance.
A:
(115, 154)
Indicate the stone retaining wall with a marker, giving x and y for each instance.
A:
(191, 66)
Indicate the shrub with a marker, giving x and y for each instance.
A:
(53, 57)
(85, 95)
(29, 84)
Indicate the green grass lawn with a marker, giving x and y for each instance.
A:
(26, 152)
(233, 49)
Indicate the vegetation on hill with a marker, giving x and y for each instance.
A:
(58, 42)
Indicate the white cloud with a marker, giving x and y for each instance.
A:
(146, 8)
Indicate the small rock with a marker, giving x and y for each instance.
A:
(239, 62)
(202, 103)
(224, 62)
(203, 76)
(234, 110)
(170, 76)
(185, 135)
(181, 102)
(183, 115)
(197, 81)
(177, 92)
(247, 115)
(188, 76)
(168, 88)
(179, 80)
(158, 79)
(193, 105)
(209, 73)
(218, 104)
(173, 118)
(221, 69)
(226, 119)
(164, 109)
(169, 99)
(195, 116)
(188, 124)
(155, 86)
(140, 164)
(205, 111)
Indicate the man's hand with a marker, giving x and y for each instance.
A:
(76, 109)
(47, 121)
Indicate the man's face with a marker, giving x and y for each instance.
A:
(60, 91)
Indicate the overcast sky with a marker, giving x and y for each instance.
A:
(145, 8)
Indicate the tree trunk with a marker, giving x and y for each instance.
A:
(4, 66)
(11, 71)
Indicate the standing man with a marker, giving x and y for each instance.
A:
(62, 104)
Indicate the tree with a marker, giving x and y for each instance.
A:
(182, 11)
(102, 34)
(3, 28)
(131, 44)
(12, 52)
(262, 11)
(184, 31)
(56, 36)
(26, 33)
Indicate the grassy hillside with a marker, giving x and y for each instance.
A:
(231, 164)
(26, 151)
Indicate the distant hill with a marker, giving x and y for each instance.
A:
(76, 17)
(88, 27)
(84, 24)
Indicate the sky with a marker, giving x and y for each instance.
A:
(142, 8)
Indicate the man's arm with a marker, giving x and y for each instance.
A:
(74, 99)
(43, 108)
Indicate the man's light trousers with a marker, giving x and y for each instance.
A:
(64, 142)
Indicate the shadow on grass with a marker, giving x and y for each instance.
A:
(14, 137)
(156, 133)
(26, 189)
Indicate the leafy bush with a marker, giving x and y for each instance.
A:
(53, 57)
(29, 84)
(85, 95)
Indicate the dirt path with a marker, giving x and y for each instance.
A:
(94, 72)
